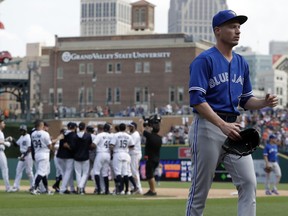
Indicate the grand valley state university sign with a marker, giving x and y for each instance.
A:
(68, 56)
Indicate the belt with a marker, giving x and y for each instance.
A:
(1, 149)
(228, 117)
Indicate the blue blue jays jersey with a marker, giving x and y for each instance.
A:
(223, 85)
(271, 151)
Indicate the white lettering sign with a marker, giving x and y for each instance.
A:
(68, 56)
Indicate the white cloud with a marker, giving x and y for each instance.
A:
(39, 34)
(11, 42)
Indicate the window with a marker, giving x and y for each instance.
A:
(146, 94)
(81, 68)
(168, 66)
(118, 67)
(59, 96)
(138, 67)
(91, 10)
(171, 95)
(117, 95)
(81, 95)
(109, 68)
(94, 77)
(51, 96)
(89, 92)
(109, 95)
(98, 9)
(84, 11)
(90, 68)
(137, 95)
(60, 73)
(113, 9)
(146, 67)
(180, 94)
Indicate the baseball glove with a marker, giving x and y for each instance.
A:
(268, 169)
(247, 145)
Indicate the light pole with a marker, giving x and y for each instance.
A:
(28, 117)
(150, 98)
(32, 66)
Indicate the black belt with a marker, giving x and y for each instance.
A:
(227, 117)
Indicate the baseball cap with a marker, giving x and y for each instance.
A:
(90, 129)
(106, 127)
(133, 124)
(71, 125)
(272, 136)
(81, 126)
(227, 15)
(23, 127)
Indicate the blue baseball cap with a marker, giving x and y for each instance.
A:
(227, 15)
(272, 136)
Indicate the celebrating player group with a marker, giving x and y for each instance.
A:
(79, 150)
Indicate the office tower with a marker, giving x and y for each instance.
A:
(194, 17)
(278, 47)
(105, 17)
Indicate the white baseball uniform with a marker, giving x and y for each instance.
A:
(121, 142)
(102, 160)
(41, 141)
(3, 161)
(24, 142)
(136, 155)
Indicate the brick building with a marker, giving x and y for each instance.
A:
(140, 70)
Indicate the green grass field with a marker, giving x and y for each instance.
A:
(22, 203)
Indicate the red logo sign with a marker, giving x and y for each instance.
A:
(184, 153)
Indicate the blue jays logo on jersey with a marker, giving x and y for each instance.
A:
(224, 77)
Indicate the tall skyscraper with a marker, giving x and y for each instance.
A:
(105, 17)
(194, 17)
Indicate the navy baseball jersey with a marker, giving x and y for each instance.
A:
(223, 85)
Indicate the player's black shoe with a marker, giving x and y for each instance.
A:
(150, 193)
(56, 188)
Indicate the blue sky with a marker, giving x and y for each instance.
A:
(39, 20)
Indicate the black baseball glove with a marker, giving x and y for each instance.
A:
(247, 145)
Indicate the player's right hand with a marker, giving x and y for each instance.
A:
(231, 130)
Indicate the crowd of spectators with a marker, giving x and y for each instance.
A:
(268, 121)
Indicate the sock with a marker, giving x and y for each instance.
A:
(97, 181)
(106, 182)
(132, 180)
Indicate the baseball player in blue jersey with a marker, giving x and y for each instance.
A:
(81, 156)
(219, 83)
(270, 155)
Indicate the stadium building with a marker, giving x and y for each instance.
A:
(146, 71)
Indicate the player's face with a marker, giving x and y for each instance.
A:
(229, 33)
(2, 125)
